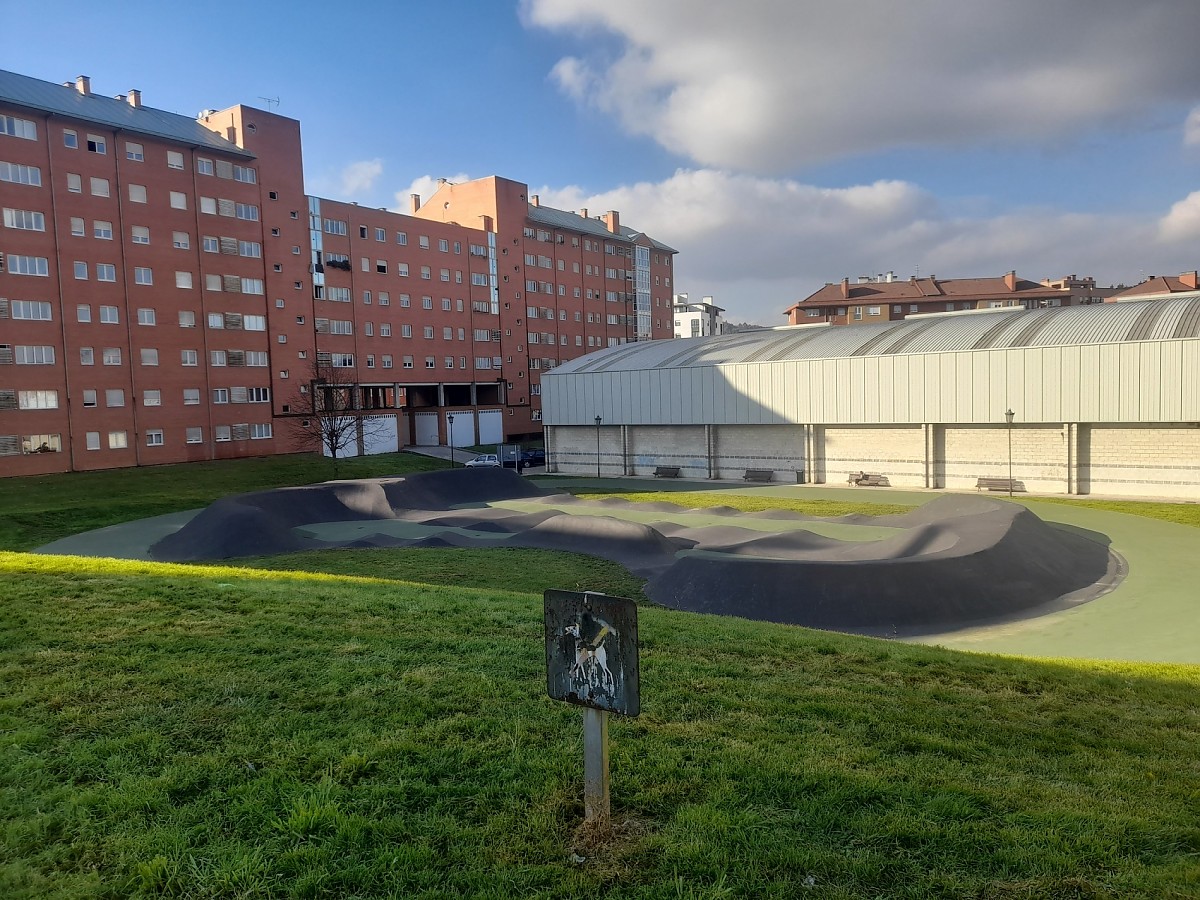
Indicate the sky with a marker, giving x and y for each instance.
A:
(776, 144)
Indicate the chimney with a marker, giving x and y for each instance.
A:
(846, 287)
(1189, 281)
(441, 181)
(83, 84)
(414, 201)
(613, 220)
(583, 212)
(134, 98)
(1010, 280)
(534, 200)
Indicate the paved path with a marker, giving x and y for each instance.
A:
(1152, 616)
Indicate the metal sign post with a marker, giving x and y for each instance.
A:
(592, 661)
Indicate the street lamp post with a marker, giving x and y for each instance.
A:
(1009, 415)
(450, 420)
(598, 421)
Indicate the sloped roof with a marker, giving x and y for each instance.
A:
(926, 289)
(569, 221)
(992, 329)
(1160, 285)
(47, 97)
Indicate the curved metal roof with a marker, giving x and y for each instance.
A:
(991, 329)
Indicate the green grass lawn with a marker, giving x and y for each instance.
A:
(222, 732)
(374, 723)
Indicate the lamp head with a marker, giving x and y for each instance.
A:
(1009, 415)
(598, 421)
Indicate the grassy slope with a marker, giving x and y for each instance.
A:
(213, 732)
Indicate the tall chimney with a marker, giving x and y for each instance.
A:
(414, 201)
(613, 220)
(846, 287)
(1010, 280)
(583, 212)
(1190, 280)
(134, 98)
(534, 200)
(83, 84)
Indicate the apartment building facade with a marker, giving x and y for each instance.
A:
(886, 298)
(170, 293)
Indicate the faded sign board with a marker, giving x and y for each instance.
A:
(592, 651)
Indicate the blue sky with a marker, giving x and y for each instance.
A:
(778, 144)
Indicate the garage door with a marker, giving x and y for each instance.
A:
(491, 426)
(380, 435)
(425, 425)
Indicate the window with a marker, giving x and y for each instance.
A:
(152, 398)
(70, 139)
(218, 358)
(258, 395)
(194, 435)
(220, 395)
(143, 275)
(31, 310)
(256, 358)
(406, 331)
(254, 323)
(246, 175)
(111, 356)
(423, 241)
(114, 397)
(24, 220)
(385, 329)
(204, 166)
(386, 360)
(246, 211)
(449, 362)
(444, 274)
(137, 193)
(178, 200)
(37, 399)
(211, 244)
(89, 398)
(117, 440)
(191, 396)
(334, 226)
(221, 433)
(154, 437)
(95, 144)
(446, 304)
(93, 440)
(30, 175)
(78, 228)
(106, 272)
(402, 269)
(430, 362)
(208, 205)
(189, 357)
(342, 360)
(260, 431)
(250, 248)
(102, 231)
(28, 265)
(426, 272)
(872, 310)
(380, 234)
(407, 362)
(174, 159)
(99, 187)
(110, 315)
(443, 245)
(33, 355)
(253, 286)
(146, 317)
(187, 318)
(140, 234)
(87, 356)
(183, 280)
(404, 301)
(381, 266)
(428, 332)
(83, 313)
(427, 303)
(401, 238)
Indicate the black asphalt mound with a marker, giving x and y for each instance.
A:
(954, 561)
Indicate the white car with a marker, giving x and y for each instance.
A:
(486, 461)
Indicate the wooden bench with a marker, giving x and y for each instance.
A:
(666, 472)
(865, 479)
(763, 475)
(1000, 484)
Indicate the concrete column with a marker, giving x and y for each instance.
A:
(626, 463)
(1071, 430)
(930, 445)
(710, 449)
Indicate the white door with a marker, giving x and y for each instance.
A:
(426, 427)
(491, 426)
(463, 432)
(380, 435)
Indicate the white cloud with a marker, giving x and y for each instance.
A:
(1191, 128)
(766, 85)
(759, 244)
(359, 177)
(424, 186)
(1182, 222)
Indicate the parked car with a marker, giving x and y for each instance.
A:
(535, 456)
(486, 461)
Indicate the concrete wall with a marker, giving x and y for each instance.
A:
(1159, 461)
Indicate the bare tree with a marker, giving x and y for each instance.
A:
(332, 418)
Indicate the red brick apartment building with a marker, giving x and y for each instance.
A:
(883, 298)
(168, 292)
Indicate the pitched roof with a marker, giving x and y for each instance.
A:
(47, 97)
(993, 329)
(569, 221)
(926, 289)
(1160, 285)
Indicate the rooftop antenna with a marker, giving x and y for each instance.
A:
(272, 102)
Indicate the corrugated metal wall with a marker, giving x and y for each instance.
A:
(1150, 381)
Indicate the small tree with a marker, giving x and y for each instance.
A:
(333, 418)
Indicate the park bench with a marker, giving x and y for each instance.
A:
(666, 472)
(999, 484)
(763, 475)
(865, 479)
